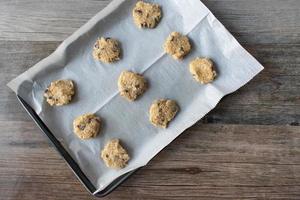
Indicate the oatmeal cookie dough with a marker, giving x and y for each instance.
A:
(107, 50)
(146, 15)
(114, 155)
(131, 85)
(162, 112)
(177, 45)
(60, 92)
(86, 126)
(202, 70)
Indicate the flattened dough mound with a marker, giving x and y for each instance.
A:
(177, 45)
(60, 92)
(146, 15)
(202, 69)
(107, 50)
(86, 126)
(131, 85)
(114, 155)
(162, 112)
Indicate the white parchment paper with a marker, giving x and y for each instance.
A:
(142, 52)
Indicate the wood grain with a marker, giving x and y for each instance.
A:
(208, 161)
(246, 148)
(273, 20)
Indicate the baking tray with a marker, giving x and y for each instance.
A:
(235, 66)
(69, 160)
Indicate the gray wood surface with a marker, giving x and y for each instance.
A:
(246, 148)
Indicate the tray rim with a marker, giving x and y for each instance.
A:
(68, 158)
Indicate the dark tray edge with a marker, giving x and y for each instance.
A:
(67, 157)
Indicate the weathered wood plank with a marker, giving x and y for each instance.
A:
(259, 21)
(45, 20)
(273, 96)
(255, 21)
(207, 161)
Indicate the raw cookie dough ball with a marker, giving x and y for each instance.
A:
(131, 85)
(86, 126)
(177, 45)
(60, 92)
(114, 155)
(107, 50)
(202, 70)
(162, 112)
(146, 15)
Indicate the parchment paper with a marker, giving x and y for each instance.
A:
(142, 52)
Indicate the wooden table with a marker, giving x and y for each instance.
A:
(246, 148)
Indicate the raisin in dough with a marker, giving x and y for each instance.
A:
(146, 15)
(162, 112)
(86, 126)
(177, 45)
(114, 155)
(202, 69)
(131, 85)
(107, 50)
(60, 92)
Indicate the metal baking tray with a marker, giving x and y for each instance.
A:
(70, 161)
